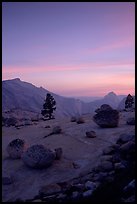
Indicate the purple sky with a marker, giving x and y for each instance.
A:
(72, 49)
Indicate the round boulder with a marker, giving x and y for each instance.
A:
(104, 107)
(16, 148)
(37, 156)
(107, 118)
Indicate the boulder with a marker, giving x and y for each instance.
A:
(107, 118)
(88, 193)
(119, 166)
(90, 185)
(91, 134)
(37, 156)
(106, 166)
(16, 148)
(127, 147)
(80, 120)
(123, 138)
(109, 150)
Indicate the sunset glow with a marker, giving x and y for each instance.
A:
(71, 49)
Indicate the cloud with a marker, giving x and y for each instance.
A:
(128, 42)
(121, 65)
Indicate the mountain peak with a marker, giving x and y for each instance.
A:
(17, 79)
(111, 94)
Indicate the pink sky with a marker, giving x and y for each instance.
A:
(72, 49)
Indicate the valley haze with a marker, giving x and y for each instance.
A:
(21, 95)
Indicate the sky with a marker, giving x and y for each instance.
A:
(70, 48)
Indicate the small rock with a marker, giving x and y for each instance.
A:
(91, 134)
(90, 185)
(111, 173)
(16, 148)
(76, 166)
(125, 138)
(75, 195)
(119, 166)
(127, 147)
(108, 150)
(100, 176)
(106, 166)
(47, 126)
(80, 120)
(106, 158)
(58, 153)
(57, 130)
(73, 119)
(79, 187)
(61, 196)
(87, 193)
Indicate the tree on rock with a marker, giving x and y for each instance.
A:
(129, 101)
(49, 106)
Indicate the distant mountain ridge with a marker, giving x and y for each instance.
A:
(17, 94)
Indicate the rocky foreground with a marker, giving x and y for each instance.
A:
(96, 164)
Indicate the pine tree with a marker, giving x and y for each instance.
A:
(49, 106)
(129, 101)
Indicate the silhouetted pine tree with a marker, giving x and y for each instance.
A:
(129, 101)
(49, 106)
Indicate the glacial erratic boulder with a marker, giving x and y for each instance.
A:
(107, 118)
(104, 107)
(16, 148)
(38, 156)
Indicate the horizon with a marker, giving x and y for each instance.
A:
(85, 98)
(74, 49)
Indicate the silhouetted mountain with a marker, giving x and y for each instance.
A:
(17, 94)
